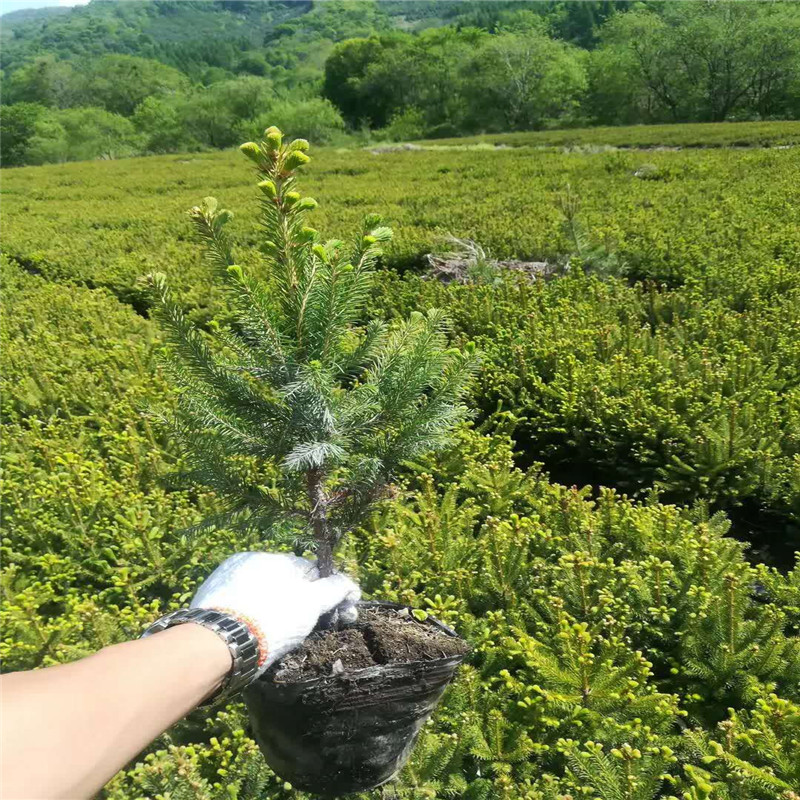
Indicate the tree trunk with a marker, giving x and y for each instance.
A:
(318, 517)
(325, 559)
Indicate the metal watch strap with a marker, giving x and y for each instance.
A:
(239, 638)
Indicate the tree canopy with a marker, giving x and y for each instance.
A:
(191, 75)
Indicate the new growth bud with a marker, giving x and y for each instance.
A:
(273, 137)
(268, 187)
(252, 151)
(295, 159)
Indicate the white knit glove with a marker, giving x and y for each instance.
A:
(279, 597)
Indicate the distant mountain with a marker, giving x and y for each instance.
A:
(195, 35)
(178, 32)
(285, 41)
(14, 18)
(208, 39)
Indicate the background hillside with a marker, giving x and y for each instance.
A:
(114, 79)
(194, 36)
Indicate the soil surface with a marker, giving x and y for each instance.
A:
(381, 636)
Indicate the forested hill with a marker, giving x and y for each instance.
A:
(112, 79)
(14, 19)
(191, 36)
(255, 36)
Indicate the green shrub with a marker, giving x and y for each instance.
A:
(81, 134)
(315, 119)
(17, 126)
(637, 389)
(623, 647)
(405, 125)
(161, 123)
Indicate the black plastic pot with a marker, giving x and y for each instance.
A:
(347, 733)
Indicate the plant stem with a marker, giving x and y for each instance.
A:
(318, 517)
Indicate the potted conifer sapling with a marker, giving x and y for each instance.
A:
(298, 416)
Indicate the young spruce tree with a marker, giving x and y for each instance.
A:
(300, 413)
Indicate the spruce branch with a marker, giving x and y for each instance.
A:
(301, 413)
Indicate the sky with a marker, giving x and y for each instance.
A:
(16, 5)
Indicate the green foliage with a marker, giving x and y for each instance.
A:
(690, 226)
(754, 753)
(622, 646)
(119, 83)
(657, 62)
(636, 389)
(229, 768)
(526, 80)
(161, 123)
(81, 476)
(735, 58)
(624, 773)
(692, 389)
(456, 80)
(216, 116)
(17, 126)
(575, 663)
(187, 35)
(188, 73)
(77, 134)
(404, 126)
(595, 257)
(46, 81)
(298, 418)
(315, 119)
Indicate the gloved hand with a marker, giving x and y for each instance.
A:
(280, 597)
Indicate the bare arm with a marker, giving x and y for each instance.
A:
(67, 730)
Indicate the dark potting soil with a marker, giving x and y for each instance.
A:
(381, 636)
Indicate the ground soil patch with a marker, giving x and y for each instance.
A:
(381, 636)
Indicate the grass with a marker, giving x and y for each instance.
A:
(709, 134)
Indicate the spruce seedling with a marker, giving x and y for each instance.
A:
(301, 412)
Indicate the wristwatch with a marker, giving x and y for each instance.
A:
(241, 641)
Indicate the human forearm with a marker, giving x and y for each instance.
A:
(68, 729)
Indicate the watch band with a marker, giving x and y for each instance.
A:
(241, 641)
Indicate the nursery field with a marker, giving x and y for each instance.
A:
(614, 530)
(698, 134)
